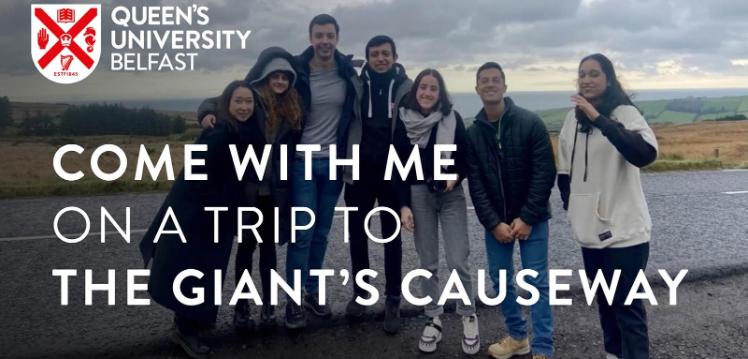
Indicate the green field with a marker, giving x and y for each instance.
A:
(743, 108)
(675, 117)
(713, 116)
(652, 109)
(722, 104)
(669, 111)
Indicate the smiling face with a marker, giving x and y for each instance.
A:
(592, 81)
(381, 58)
(324, 40)
(427, 93)
(490, 87)
(242, 104)
(278, 82)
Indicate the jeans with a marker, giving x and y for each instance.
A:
(363, 194)
(534, 255)
(624, 326)
(320, 194)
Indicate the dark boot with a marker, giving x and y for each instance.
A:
(392, 314)
(243, 317)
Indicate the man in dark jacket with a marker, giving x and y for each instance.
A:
(385, 84)
(511, 171)
(331, 92)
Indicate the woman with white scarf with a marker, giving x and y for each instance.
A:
(427, 119)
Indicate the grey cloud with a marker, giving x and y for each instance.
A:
(448, 33)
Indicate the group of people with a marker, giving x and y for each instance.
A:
(506, 155)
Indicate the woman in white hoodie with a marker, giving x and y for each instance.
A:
(603, 143)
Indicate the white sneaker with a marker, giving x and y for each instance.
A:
(611, 356)
(470, 336)
(432, 335)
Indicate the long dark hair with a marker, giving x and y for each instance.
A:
(283, 107)
(444, 104)
(225, 100)
(614, 94)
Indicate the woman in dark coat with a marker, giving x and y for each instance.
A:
(273, 77)
(187, 201)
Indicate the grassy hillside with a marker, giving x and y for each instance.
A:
(675, 111)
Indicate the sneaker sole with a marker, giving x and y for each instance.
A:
(470, 350)
(319, 314)
(522, 351)
(295, 326)
(436, 341)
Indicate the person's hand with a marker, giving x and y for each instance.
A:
(451, 185)
(585, 106)
(520, 229)
(42, 38)
(208, 121)
(406, 218)
(502, 233)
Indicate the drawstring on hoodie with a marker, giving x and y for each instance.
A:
(368, 83)
(586, 153)
(389, 100)
(389, 94)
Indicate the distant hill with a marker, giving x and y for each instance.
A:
(19, 109)
(675, 111)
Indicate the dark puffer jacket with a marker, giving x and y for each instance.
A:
(513, 178)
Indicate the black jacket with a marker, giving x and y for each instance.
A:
(188, 199)
(382, 94)
(404, 147)
(280, 190)
(513, 178)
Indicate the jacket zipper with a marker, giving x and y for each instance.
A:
(498, 166)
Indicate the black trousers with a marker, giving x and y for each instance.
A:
(363, 194)
(624, 326)
(246, 249)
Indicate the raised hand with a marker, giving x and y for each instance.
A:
(208, 121)
(585, 106)
(42, 38)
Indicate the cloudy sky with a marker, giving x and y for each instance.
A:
(655, 44)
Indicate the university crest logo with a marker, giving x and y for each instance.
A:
(65, 40)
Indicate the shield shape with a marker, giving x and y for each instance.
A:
(66, 40)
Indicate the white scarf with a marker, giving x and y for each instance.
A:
(419, 127)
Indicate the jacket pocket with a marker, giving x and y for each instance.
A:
(589, 227)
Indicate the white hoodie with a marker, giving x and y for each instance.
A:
(607, 209)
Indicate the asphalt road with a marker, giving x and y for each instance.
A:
(700, 224)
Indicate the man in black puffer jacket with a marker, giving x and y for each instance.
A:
(511, 171)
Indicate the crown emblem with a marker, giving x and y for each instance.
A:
(66, 39)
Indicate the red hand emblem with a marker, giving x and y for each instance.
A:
(42, 38)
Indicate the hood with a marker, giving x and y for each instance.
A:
(277, 64)
(274, 55)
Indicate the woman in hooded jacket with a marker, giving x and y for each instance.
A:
(602, 144)
(273, 77)
(181, 236)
